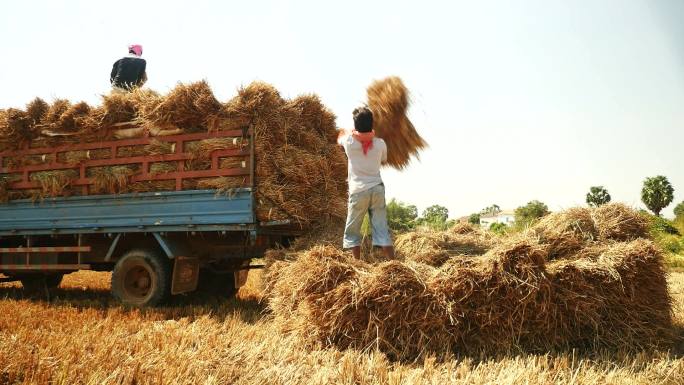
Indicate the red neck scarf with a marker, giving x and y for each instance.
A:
(366, 139)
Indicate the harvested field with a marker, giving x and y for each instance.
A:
(528, 292)
(207, 341)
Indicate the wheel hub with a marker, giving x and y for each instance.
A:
(138, 282)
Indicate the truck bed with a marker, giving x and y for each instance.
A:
(168, 211)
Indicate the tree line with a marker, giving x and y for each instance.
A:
(656, 194)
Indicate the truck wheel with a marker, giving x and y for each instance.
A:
(36, 282)
(217, 284)
(141, 278)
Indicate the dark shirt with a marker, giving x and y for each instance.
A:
(128, 72)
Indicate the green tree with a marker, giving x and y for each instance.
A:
(400, 216)
(657, 193)
(436, 213)
(491, 210)
(474, 219)
(524, 215)
(679, 210)
(436, 217)
(597, 196)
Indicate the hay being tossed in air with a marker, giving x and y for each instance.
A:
(607, 294)
(389, 100)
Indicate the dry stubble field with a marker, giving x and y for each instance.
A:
(81, 336)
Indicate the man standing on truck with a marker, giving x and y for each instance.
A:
(365, 154)
(129, 71)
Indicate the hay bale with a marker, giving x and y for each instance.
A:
(55, 112)
(74, 118)
(618, 222)
(224, 185)
(158, 147)
(389, 100)
(155, 185)
(436, 247)
(158, 168)
(566, 232)
(514, 298)
(110, 179)
(615, 297)
(54, 183)
(37, 110)
(463, 228)
(312, 117)
(17, 126)
(187, 106)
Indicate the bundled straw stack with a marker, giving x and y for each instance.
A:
(583, 278)
(300, 171)
(389, 100)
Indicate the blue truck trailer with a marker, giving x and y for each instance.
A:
(157, 243)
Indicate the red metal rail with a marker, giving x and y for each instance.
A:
(144, 161)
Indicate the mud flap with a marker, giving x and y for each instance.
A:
(241, 278)
(185, 275)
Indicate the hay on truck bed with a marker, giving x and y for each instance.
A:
(528, 292)
(300, 171)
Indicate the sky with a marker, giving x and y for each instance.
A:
(518, 100)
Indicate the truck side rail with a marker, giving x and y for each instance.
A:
(167, 211)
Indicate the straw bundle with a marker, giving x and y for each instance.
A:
(389, 100)
(156, 185)
(157, 147)
(5, 183)
(54, 183)
(110, 179)
(608, 294)
(569, 231)
(616, 221)
(223, 185)
(36, 110)
(55, 112)
(436, 247)
(187, 106)
(74, 118)
(16, 127)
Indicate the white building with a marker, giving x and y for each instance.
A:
(506, 217)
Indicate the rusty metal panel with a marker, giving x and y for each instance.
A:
(185, 275)
(241, 278)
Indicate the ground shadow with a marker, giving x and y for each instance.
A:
(190, 305)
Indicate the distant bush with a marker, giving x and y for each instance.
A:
(660, 225)
(498, 228)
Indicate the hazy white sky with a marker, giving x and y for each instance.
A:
(519, 100)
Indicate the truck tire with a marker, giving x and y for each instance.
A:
(34, 283)
(142, 278)
(220, 284)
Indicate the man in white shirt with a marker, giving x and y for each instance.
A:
(365, 153)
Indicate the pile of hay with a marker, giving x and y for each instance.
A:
(300, 171)
(434, 248)
(389, 100)
(520, 295)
